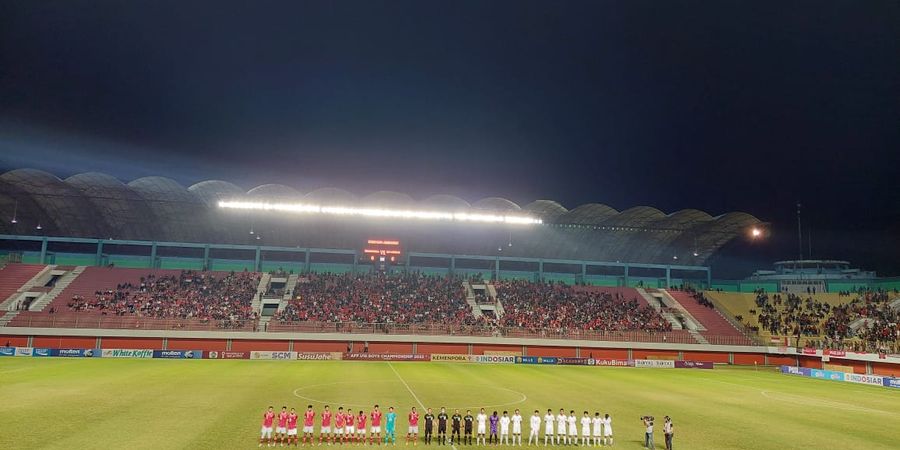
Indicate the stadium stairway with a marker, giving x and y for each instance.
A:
(288, 290)
(58, 288)
(470, 299)
(713, 321)
(92, 279)
(676, 324)
(16, 279)
(261, 289)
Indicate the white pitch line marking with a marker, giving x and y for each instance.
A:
(411, 392)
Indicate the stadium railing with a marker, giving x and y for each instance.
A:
(442, 329)
(126, 323)
(429, 329)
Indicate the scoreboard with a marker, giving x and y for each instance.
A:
(382, 251)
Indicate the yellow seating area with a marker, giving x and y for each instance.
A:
(740, 304)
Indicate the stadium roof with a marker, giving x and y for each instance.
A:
(157, 208)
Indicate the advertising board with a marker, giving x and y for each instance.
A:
(449, 357)
(654, 363)
(387, 357)
(493, 359)
(613, 362)
(273, 355)
(875, 380)
(693, 365)
(318, 356)
(178, 354)
(226, 355)
(76, 353)
(126, 353)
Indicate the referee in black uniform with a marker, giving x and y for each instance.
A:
(442, 426)
(455, 420)
(468, 426)
(429, 426)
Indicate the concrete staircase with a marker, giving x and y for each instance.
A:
(288, 290)
(698, 337)
(654, 303)
(492, 293)
(60, 285)
(18, 279)
(7, 318)
(263, 323)
(470, 299)
(261, 289)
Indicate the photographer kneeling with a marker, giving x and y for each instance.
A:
(648, 435)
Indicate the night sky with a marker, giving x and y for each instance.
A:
(715, 105)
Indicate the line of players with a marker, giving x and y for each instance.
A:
(351, 429)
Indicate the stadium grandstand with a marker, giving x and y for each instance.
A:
(93, 252)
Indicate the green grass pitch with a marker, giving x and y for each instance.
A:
(159, 404)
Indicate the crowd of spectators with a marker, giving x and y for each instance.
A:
(222, 299)
(407, 298)
(867, 322)
(560, 307)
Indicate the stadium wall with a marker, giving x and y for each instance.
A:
(409, 344)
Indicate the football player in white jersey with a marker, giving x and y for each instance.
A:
(586, 429)
(504, 428)
(607, 431)
(561, 422)
(481, 419)
(535, 429)
(598, 432)
(516, 428)
(573, 428)
(549, 419)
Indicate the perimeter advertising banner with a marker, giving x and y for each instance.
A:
(318, 356)
(273, 355)
(567, 361)
(178, 354)
(23, 351)
(41, 352)
(892, 382)
(493, 359)
(793, 370)
(387, 357)
(227, 355)
(655, 363)
(7, 351)
(875, 380)
(449, 357)
(693, 365)
(126, 353)
(613, 363)
(537, 360)
(827, 374)
(76, 353)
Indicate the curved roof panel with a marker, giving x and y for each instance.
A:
(126, 212)
(547, 210)
(445, 201)
(213, 191)
(275, 191)
(331, 196)
(588, 214)
(62, 203)
(179, 210)
(382, 199)
(496, 204)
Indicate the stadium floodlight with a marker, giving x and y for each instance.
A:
(382, 212)
(756, 232)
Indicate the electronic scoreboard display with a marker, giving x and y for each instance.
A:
(382, 251)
